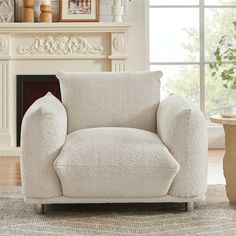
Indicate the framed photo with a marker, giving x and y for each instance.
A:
(79, 10)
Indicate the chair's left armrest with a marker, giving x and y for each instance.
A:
(183, 130)
(43, 133)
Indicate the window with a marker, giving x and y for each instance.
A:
(183, 37)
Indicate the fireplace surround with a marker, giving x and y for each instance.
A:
(44, 49)
(29, 89)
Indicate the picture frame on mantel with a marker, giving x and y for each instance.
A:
(79, 10)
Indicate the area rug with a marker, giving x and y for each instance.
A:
(216, 216)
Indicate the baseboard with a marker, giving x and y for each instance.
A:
(9, 151)
(216, 137)
(5, 139)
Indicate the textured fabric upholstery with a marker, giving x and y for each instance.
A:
(111, 99)
(115, 162)
(44, 129)
(182, 129)
(123, 144)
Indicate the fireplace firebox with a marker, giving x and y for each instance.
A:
(29, 89)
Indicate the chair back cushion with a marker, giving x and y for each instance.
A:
(107, 99)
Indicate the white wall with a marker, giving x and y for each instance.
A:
(137, 37)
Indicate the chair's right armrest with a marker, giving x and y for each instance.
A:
(183, 129)
(43, 133)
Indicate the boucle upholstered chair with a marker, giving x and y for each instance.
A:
(112, 141)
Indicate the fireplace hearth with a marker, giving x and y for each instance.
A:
(29, 89)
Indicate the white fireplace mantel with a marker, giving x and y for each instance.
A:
(45, 48)
(64, 27)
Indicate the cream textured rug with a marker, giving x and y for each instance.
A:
(213, 217)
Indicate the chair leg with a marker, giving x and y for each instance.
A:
(39, 209)
(189, 206)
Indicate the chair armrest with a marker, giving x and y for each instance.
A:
(183, 129)
(43, 133)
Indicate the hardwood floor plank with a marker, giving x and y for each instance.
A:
(10, 171)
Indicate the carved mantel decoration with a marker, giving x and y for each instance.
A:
(119, 43)
(60, 45)
(3, 44)
(6, 11)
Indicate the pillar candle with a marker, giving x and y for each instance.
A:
(45, 2)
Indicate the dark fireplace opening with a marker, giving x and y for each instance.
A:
(29, 89)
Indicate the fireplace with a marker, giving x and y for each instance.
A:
(45, 49)
(29, 89)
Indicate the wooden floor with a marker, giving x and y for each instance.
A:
(10, 169)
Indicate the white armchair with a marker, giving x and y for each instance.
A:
(111, 140)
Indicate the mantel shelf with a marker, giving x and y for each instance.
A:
(64, 27)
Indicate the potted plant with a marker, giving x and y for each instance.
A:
(224, 67)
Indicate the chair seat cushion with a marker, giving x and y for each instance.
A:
(115, 162)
